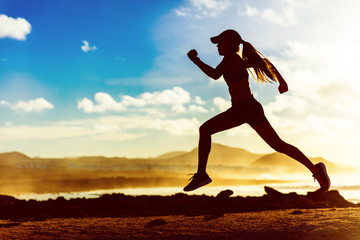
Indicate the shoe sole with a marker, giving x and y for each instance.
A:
(323, 168)
(203, 183)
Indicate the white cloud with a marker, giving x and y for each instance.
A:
(180, 127)
(286, 19)
(202, 8)
(175, 97)
(297, 3)
(13, 28)
(320, 74)
(5, 103)
(36, 105)
(182, 12)
(195, 108)
(301, 49)
(199, 101)
(86, 47)
(323, 124)
(178, 108)
(286, 103)
(221, 103)
(103, 102)
(210, 4)
(8, 124)
(131, 101)
(243, 131)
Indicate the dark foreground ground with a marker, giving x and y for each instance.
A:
(305, 224)
(272, 216)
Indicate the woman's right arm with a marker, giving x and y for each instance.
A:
(214, 73)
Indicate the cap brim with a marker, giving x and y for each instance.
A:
(215, 39)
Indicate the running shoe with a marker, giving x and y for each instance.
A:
(197, 180)
(322, 177)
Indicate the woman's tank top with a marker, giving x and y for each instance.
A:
(235, 76)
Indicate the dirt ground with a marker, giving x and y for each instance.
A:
(309, 224)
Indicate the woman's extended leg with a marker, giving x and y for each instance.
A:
(220, 122)
(268, 134)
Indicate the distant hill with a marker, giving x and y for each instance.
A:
(11, 157)
(219, 155)
(171, 155)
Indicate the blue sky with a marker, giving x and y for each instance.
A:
(51, 53)
(112, 77)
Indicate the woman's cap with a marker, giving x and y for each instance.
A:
(227, 35)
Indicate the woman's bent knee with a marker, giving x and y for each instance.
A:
(205, 130)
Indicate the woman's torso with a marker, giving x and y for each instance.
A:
(237, 78)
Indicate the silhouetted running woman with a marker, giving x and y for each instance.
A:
(244, 109)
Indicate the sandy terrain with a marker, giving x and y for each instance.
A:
(316, 224)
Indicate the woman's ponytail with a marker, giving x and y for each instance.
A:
(263, 68)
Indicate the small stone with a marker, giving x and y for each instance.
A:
(225, 194)
(297, 212)
(155, 223)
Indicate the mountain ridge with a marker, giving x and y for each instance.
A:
(220, 155)
(13, 156)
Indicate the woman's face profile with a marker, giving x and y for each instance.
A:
(224, 47)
